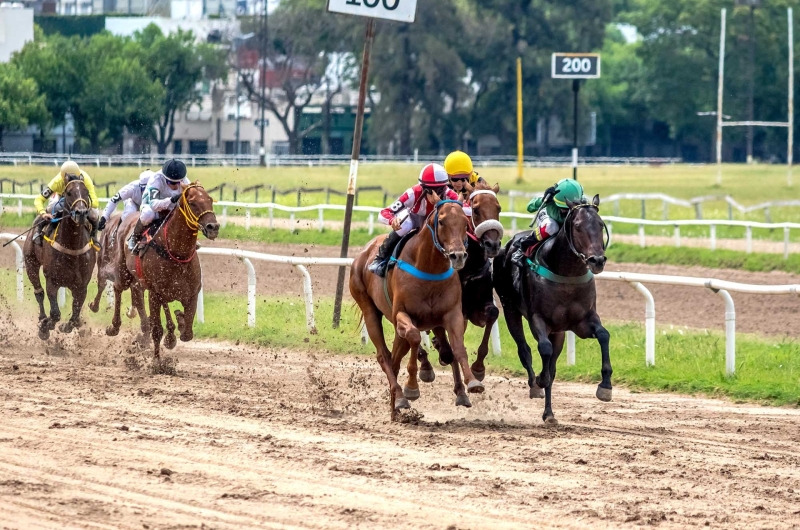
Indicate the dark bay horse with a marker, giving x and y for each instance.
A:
(168, 267)
(477, 294)
(67, 259)
(419, 294)
(557, 294)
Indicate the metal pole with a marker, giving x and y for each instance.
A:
(790, 153)
(520, 140)
(351, 182)
(719, 94)
(576, 86)
(262, 77)
(751, 80)
(238, 75)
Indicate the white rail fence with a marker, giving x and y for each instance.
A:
(637, 281)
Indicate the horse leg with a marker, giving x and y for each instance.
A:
(400, 348)
(592, 327)
(169, 339)
(557, 340)
(541, 334)
(478, 368)
(78, 298)
(94, 306)
(55, 311)
(157, 330)
(137, 301)
(116, 320)
(426, 373)
(514, 325)
(185, 318)
(373, 320)
(454, 325)
(32, 270)
(462, 399)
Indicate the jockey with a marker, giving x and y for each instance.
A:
(69, 170)
(163, 191)
(551, 211)
(458, 165)
(131, 194)
(410, 211)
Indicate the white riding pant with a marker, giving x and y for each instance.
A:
(148, 215)
(410, 222)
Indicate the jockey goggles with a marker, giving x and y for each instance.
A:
(440, 190)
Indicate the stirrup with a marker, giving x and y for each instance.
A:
(518, 258)
(37, 239)
(378, 267)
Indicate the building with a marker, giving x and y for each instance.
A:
(16, 28)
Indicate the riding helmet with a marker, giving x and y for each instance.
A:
(433, 176)
(174, 170)
(70, 168)
(458, 163)
(567, 190)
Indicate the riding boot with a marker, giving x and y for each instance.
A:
(93, 236)
(381, 261)
(37, 233)
(136, 238)
(518, 257)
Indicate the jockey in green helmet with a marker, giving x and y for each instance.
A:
(551, 211)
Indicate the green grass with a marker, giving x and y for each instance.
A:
(712, 259)
(687, 361)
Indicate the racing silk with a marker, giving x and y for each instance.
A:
(549, 219)
(413, 201)
(157, 196)
(130, 192)
(57, 186)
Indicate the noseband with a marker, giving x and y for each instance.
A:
(569, 235)
(489, 224)
(71, 207)
(192, 219)
(435, 228)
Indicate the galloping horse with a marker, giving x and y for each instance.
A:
(557, 294)
(168, 266)
(67, 259)
(477, 298)
(421, 293)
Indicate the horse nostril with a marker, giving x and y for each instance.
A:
(211, 227)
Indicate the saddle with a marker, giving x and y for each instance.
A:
(398, 249)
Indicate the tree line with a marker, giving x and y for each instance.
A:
(440, 83)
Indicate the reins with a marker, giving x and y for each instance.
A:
(192, 222)
(568, 231)
(71, 210)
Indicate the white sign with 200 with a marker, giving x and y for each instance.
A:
(399, 10)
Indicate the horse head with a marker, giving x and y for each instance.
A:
(486, 217)
(201, 210)
(584, 231)
(77, 201)
(450, 232)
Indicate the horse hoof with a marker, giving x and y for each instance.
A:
(550, 420)
(442, 362)
(170, 341)
(462, 400)
(51, 325)
(411, 393)
(94, 307)
(479, 374)
(603, 394)
(111, 331)
(427, 376)
(66, 327)
(187, 337)
(537, 392)
(131, 312)
(179, 318)
(401, 403)
(475, 387)
(44, 333)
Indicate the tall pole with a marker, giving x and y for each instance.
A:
(236, 43)
(750, 80)
(520, 140)
(351, 181)
(576, 86)
(262, 152)
(719, 94)
(790, 153)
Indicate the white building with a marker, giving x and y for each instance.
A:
(16, 28)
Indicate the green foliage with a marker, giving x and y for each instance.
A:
(20, 101)
(70, 25)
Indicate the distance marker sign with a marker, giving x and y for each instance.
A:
(399, 10)
(576, 65)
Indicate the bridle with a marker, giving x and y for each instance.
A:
(71, 207)
(489, 224)
(568, 230)
(192, 221)
(435, 228)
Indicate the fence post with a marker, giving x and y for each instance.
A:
(511, 201)
(272, 188)
(62, 297)
(677, 236)
(321, 220)
(748, 234)
(292, 226)
(247, 219)
(616, 208)
(327, 195)
(570, 348)
(713, 237)
(251, 293)
(644, 210)
(698, 210)
(98, 162)
(299, 197)
(666, 210)
(513, 225)
(193, 161)
(309, 299)
(767, 215)
(20, 264)
(416, 155)
(109, 161)
(786, 242)
(371, 223)
(649, 324)
(730, 331)
(271, 216)
(257, 188)
(224, 216)
(495, 339)
(19, 208)
(641, 236)
(730, 212)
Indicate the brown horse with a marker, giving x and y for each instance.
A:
(168, 266)
(421, 293)
(112, 266)
(557, 294)
(67, 259)
(477, 300)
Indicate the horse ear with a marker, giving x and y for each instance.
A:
(435, 197)
(468, 187)
(496, 188)
(596, 201)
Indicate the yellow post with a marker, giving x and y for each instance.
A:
(520, 146)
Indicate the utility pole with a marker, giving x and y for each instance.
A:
(751, 38)
(262, 152)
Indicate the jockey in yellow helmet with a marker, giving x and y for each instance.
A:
(69, 171)
(459, 168)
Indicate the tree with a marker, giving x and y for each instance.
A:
(179, 64)
(20, 101)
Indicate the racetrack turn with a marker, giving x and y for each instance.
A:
(246, 437)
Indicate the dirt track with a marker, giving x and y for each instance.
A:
(257, 438)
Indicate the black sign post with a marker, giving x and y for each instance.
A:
(575, 66)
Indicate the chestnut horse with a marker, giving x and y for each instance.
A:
(67, 259)
(477, 299)
(557, 294)
(419, 294)
(168, 267)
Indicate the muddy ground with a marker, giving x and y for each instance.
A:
(248, 437)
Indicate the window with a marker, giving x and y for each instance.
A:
(177, 147)
(230, 148)
(198, 147)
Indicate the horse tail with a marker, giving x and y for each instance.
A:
(360, 322)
